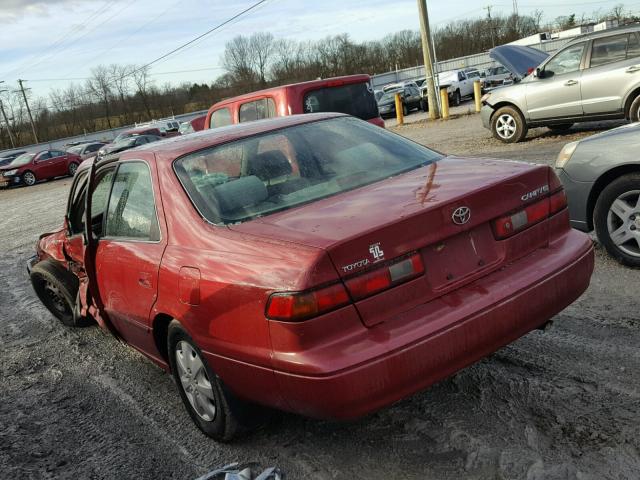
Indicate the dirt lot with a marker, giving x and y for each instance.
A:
(556, 405)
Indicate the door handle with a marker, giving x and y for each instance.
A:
(633, 69)
(570, 83)
(144, 280)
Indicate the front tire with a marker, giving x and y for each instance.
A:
(617, 219)
(456, 98)
(29, 178)
(57, 289)
(212, 407)
(508, 125)
(73, 167)
(405, 110)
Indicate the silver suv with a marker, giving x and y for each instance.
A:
(594, 77)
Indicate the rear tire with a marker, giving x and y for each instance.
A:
(57, 289)
(73, 166)
(29, 178)
(634, 110)
(617, 219)
(423, 105)
(508, 125)
(456, 98)
(563, 127)
(213, 408)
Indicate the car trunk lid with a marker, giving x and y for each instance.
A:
(420, 211)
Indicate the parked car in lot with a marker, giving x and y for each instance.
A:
(194, 125)
(411, 100)
(127, 143)
(28, 168)
(601, 175)
(86, 150)
(595, 77)
(137, 131)
(312, 263)
(352, 95)
(496, 76)
(7, 158)
(458, 85)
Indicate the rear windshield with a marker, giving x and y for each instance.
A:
(356, 99)
(267, 173)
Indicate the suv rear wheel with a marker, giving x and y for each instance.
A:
(617, 219)
(508, 126)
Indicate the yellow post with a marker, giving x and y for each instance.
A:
(399, 111)
(477, 93)
(444, 100)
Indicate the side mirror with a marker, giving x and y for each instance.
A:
(539, 73)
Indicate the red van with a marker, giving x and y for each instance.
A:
(352, 95)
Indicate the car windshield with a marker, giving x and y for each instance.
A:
(22, 160)
(122, 136)
(279, 170)
(75, 150)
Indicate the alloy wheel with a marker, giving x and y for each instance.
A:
(506, 126)
(72, 169)
(195, 381)
(29, 178)
(56, 297)
(623, 222)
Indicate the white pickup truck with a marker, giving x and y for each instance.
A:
(458, 85)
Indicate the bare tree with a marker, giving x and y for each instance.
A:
(143, 85)
(261, 47)
(99, 84)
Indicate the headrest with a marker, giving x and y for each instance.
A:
(269, 165)
(240, 193)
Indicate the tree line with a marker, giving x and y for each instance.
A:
(118, 95)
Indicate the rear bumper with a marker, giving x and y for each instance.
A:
(433, 341)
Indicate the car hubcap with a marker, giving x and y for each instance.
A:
(72, 169)
(506, 126)
(29, 179)
(195, 382)
(56, 298)
(623, 222)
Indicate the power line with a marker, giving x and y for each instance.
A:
(204, 69)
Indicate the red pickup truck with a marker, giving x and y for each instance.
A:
(351, 94)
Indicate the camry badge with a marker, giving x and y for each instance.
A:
(461, 215)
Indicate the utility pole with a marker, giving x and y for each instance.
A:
(6, 121)
(493, 39)
(428, 54)
(33, 125)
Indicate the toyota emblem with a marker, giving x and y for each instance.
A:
(461, 215)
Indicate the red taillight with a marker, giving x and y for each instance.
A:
(385, 277)
(297, 306)
(509, 225)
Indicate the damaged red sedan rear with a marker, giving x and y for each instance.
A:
(313, 263)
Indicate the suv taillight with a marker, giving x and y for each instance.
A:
(298, 306)
(505, 227)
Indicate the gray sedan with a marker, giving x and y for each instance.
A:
(601, 175)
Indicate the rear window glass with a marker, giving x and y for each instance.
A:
(220, 118)
(356, 99)
(276, 171)
(257, 110)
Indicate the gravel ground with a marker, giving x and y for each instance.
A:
(561, 404)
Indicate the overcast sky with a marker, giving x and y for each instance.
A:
(64, 39)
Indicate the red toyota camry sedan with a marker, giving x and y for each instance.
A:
(314, 263)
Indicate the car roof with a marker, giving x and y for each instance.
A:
(635, 27)
(174, 147)
(348, 79)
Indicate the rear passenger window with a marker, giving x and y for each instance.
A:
(132, 212)
(257, 110)
(633, 49)
(220, 118)
(608, 50)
